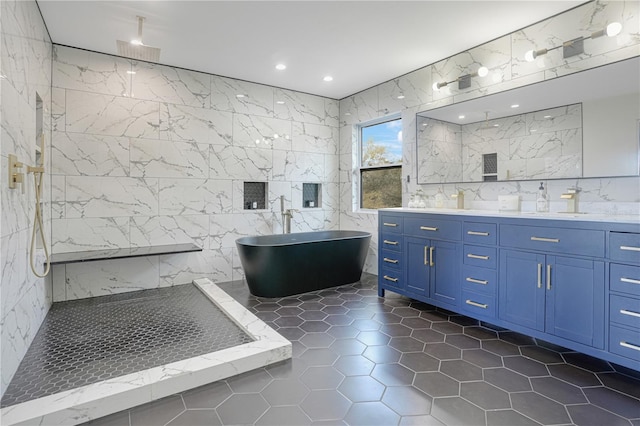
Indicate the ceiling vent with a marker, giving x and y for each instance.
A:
(136, 49)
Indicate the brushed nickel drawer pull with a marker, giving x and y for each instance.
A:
(481, 234)
(476, 304)
(539, 275)
(630, 346)
(426, 262)
(431, 262)
(477, 256)
(630, 313)
(629, 280)
(388, 278)
(473, 280)
(394, 261)
(629, 248)
(546, 240)
(428, 228)
(548, 277)
(393, 243)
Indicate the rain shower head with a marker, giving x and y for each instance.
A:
(136, 49)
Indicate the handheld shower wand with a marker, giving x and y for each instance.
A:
(38, 173)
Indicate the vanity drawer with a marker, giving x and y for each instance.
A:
(484, 257)
(391, 277)
(391, 259)
(624, 246)
(625, 278)
(391, 242)
(624, 342)
(625, 310)
(390, 223)
(433, 228)
(480, 280)
(480, 233)
(585, 242)
(479, 304)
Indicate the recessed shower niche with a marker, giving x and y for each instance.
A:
(311, 195)
(255, 195)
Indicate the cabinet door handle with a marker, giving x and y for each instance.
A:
(393, 225)
(539, 275)
(476, 304)
(394, 261)
(388, 278)
(426, 262)
(548, 277)
(482, 234)
(629, 248)
(431, 262)
(546, 240)
(428, 228)
(392, 243)
(473, 280)
(630, 313)
(630, 346)
(629, 280)
(477, 256)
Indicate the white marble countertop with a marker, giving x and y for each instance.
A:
(588, 217)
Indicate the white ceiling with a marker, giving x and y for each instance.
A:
(359, 43)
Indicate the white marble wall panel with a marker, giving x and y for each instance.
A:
(111, 115)
(561, 118)
(57, 196)
(91, 72)
(298, 166)
(405, 92)
(315, 138)
(241, 96)
(89, 196)
(300, 107)
(276, 189)
(194, 196)
(17, 216)
(330, 200)
(70, 235)
(236, 162)
(362, 106)
(595, 61)
(157, 158)
(308, 220)
(91, 279)
(247, 129)
(332, 168)
(183, 268)
(78, 154)
(16, 123)
(168, 84)
(225, 229)
(58, 109)
(163, 230)
(537, 145)
(14, 269)
(202, 125)
(332, 112)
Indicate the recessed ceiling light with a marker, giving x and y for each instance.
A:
(547, 116)
(280, 102)
(281, 67)
(515, 106)
(496, 125)
(240, 95)
(328, 78)
(461, 117)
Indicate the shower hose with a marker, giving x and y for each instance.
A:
(37, 225)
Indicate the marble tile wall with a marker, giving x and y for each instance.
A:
(25, 70)
(412, 93)
(145, 154)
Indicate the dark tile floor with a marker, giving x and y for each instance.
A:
(362, 360)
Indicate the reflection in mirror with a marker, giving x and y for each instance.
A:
(582, 125)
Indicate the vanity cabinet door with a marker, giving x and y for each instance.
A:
(575, 300)
(445, 272)
(521, 288)
(418, 269)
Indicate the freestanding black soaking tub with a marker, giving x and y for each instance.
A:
(282, 265)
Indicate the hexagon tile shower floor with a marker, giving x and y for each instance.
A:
(90, 340)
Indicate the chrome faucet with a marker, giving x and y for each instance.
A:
(286, 216)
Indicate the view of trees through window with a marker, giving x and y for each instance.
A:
(381, 165)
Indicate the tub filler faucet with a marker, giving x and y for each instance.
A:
(286, 216)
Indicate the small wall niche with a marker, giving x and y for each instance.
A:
(311, 195)
(255, 196)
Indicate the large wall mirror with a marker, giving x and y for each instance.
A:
(586, 124)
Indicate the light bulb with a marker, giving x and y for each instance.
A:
(281, 67)
(530, 56)
(483, 71)
(276, 136)
(613, 29)
(136, 42)
(436, 87)
(257, 141)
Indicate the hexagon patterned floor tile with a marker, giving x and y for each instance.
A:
(363, 360)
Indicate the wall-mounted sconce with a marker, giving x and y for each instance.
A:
(576, 46)
(268, 140)
(464, 81)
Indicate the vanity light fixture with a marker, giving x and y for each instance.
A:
(464, 81)
(576, 46)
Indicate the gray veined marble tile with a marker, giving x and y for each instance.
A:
(276, 189)
(253, 131)
(79, 154)
(183, 268)
(17, 123)
(331, 168)
(111, 115)
(111, 196)
(301, 107)
(226, 228)
(360, 107)
(84, 234)
(157, 158)
(236, 162)
(58, 109)
(162, 230)
(161, 83)
(57, 186)
(14, 269)
(315, 138)
(298, 166)
(187, 123)
(91, 72)
(405, 91)
(194, 196)
(332, 112)
(537, 145)
(242, 97)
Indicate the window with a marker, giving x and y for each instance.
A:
(381, 164)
